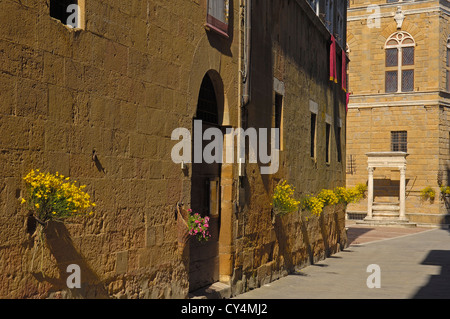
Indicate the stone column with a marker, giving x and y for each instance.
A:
(402, 192)
(370, 193)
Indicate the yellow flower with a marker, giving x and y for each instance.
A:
(23, 201)
(37, 205)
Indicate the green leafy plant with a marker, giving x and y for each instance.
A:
(198, 226)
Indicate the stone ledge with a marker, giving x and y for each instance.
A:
(217, 290)
(387, 223)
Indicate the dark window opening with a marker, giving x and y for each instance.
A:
(58, 9)
(278, 117)
(399, 141)
(207, 102)
(327, 142)
(313, 135)
(391, 57)
(391, 81)
(338, 143)
(407, 80)
(408, 56)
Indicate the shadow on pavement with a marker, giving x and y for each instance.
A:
(438, 286)
(353, 233)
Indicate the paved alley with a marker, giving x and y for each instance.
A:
(413, 263)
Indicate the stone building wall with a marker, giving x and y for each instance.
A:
(296, 42)
(119, 86)
(373, 114)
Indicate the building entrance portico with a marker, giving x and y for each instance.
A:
(386, 213)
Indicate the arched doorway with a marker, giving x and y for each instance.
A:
(206, 195)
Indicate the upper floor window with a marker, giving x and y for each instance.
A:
(314, 5)
(217, 16)
(399, 141)
(69, 12)
(399, 63)
(329, 15)
(340, 25)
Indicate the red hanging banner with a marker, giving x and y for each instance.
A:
(333, 75)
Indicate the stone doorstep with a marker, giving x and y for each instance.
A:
(217, 290)
(386, 222)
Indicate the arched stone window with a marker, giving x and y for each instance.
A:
(207, 103)
(399, 76)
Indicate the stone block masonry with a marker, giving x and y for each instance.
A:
(116, 88)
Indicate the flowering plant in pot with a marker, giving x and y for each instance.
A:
(198, 226)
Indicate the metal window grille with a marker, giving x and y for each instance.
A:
(408, 56)
(391, 81)
(391, 57)
(351, 164)
(407, 80)
(399, 141)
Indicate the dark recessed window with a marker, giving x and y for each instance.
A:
(59, 9)
(391, 81)
(313, 135)
(399, 141)
(327, 142)
(338, 145)
(207, 103)
(391, 57)
(279, 118)
(407, 80)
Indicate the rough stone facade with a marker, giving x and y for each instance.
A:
(422, 112)
(296, 41)
(119, 86)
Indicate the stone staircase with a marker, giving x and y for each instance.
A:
(386, 214)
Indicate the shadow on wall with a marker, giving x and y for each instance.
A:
(331, 225)
(60, 245)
